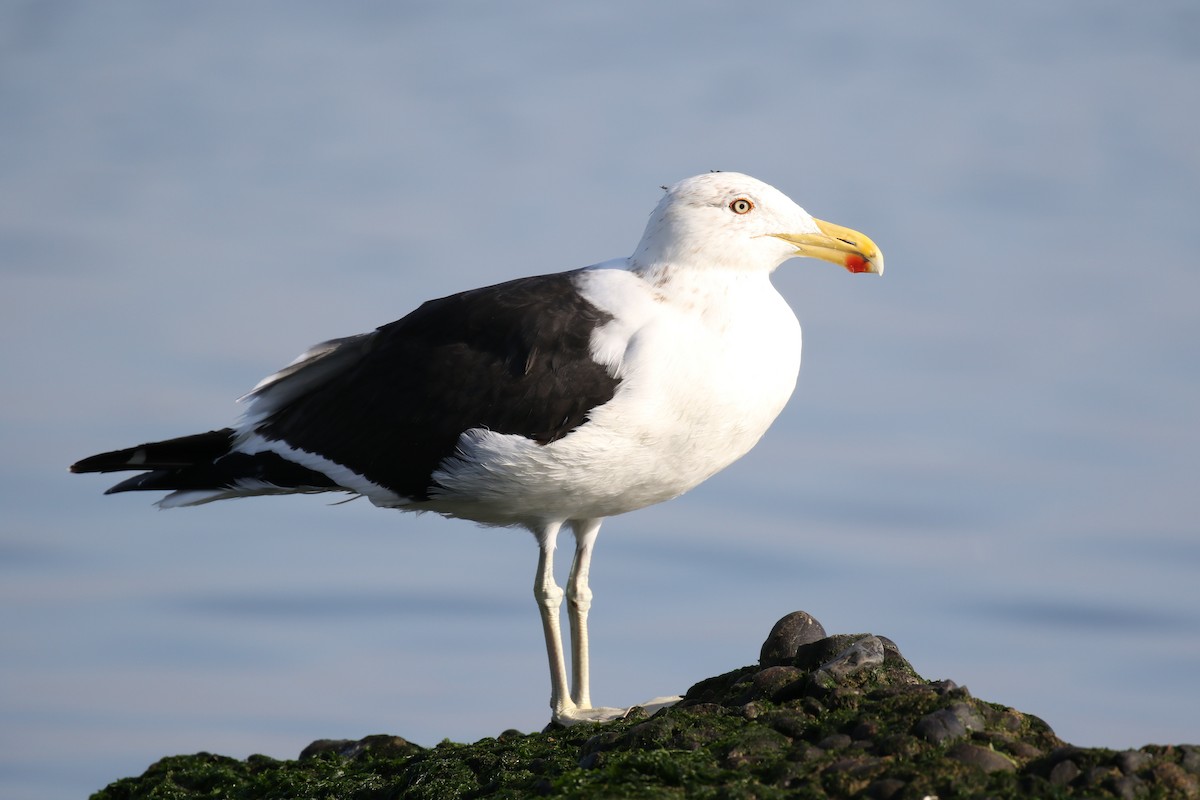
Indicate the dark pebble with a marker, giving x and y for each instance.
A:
(768, 682)
(601, 741)
(834, 741)
(898, 745)
(865, 730)
(890, 648)
(986, 759)
(752, 710)
(377, 744)
(813, 706)
(754, 746)
(1023, 750)
(949, 723)
(796, 690)
(867, 652)
(1127, 787)
(885, 788)
(1130, 761)
(1064, 772)
(591, 760)
(790, 632)
(1065, 752)
(707, 709)
(793, 724)
(1098, 775)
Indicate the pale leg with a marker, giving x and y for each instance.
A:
(570, 708)
(549, 598)
(579, 601)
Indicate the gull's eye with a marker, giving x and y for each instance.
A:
(741, 206)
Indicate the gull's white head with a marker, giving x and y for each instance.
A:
(727, 220)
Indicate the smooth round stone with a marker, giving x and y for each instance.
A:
(789, 634)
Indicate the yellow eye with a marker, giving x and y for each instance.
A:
(741, 206)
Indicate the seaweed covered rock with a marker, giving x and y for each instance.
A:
(818, 716)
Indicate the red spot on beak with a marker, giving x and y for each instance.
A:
(856, 263)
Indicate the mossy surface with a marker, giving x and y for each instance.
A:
(845, 717)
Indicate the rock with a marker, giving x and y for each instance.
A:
(885, 789)
(835, 741)
(379, 744)
(790, 632)
(1130, 761)
(755, 746)
(844, 716)
(792, 724)
(865, 653)
(986, 759)
(770, 681)
(949, 723)
(1128, 787)
(1191, 758)
(1176, 780)
(1064, 772)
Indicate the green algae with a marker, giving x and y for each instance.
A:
(802, 729)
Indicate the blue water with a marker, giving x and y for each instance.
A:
(990, 458)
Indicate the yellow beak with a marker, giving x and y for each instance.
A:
(853, 250)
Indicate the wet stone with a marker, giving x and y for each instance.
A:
(752, 710)
(885, 788)
(1130, 761)
(834, 741)
(949, 723)
(793, 724)
(790, 633)
(591, 761)
(378, 744)
(754, 746)
(1096, 776)
(866, 730)
(768, 682)
(897, 744)
(796, 690)
(812, 655)
(1064, 772)
(1127, 787)
(1063, 753)
(1023, 750)
(986, 759)
(1010, 720)
(867, 652)
(601, 741)
(707, 709)
(890, 648)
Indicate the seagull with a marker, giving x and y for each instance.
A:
(543, 402)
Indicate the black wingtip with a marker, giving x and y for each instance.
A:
(185, 451)
(103, 462)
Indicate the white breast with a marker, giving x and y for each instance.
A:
(706, 366)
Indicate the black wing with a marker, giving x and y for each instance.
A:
(513, 358)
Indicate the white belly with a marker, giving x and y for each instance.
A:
(700, 384)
